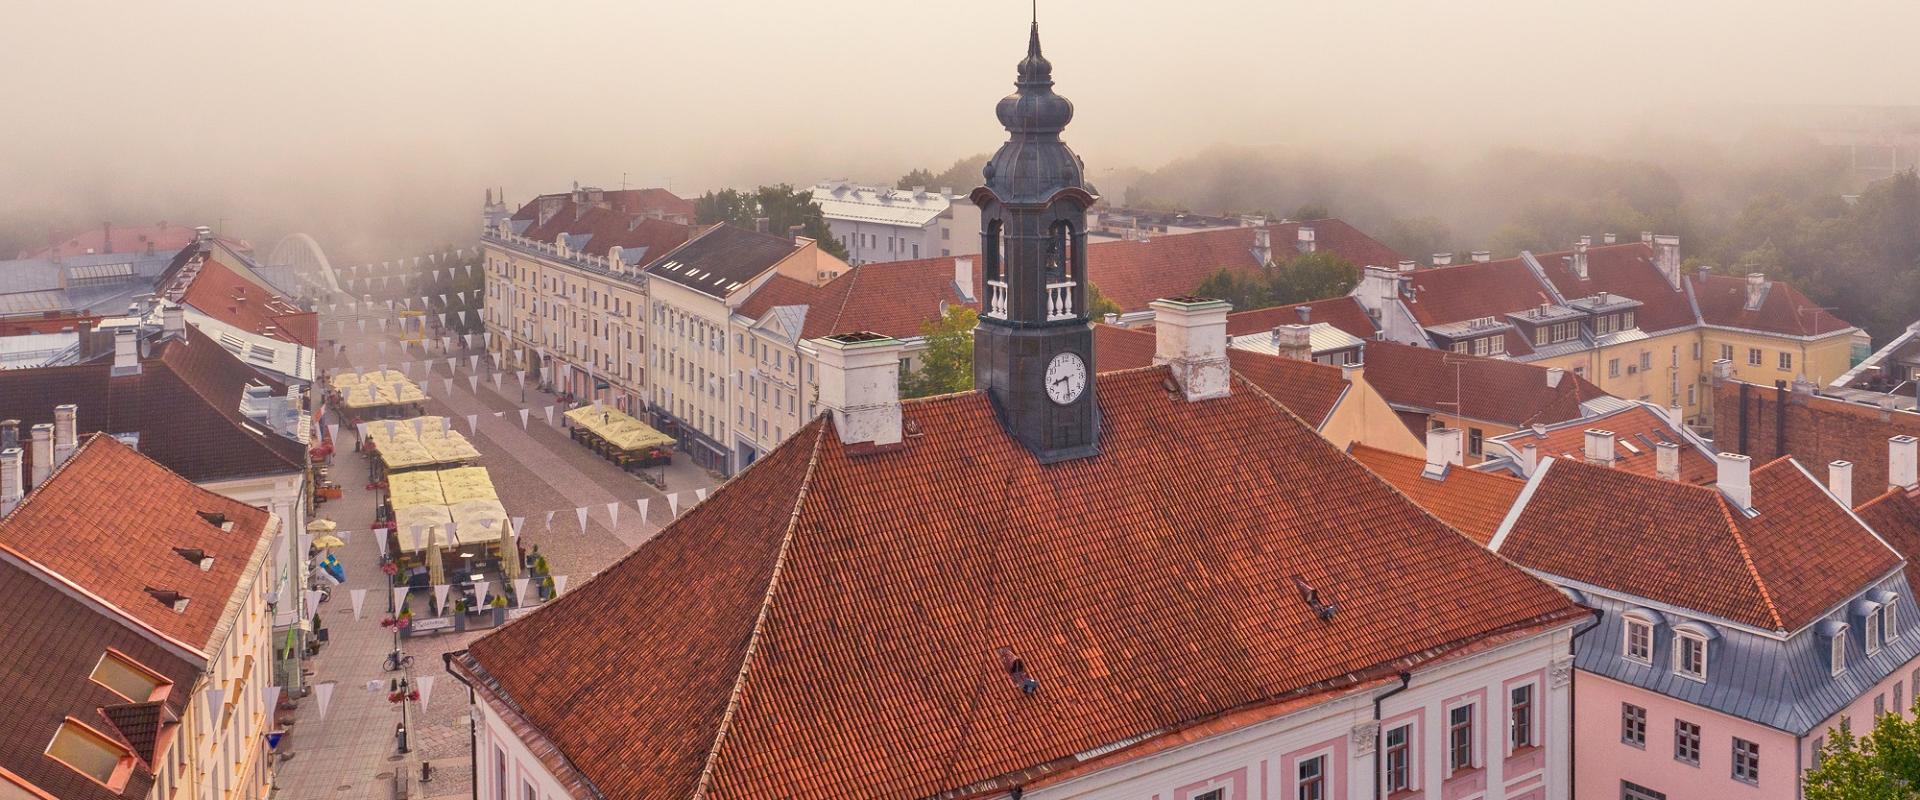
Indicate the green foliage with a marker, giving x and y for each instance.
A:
(1417, 237)
(1311, 211)
(946, 365)
(1882, 765)
(1097, 304)
(918, 177)
(782, 205)
(1308, 276)
(961, 177)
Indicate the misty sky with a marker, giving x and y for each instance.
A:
(383, 121)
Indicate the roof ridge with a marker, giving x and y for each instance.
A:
(846, 297)
(760, 622)
(1746, 557)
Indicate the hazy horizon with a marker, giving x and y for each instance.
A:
(367, 123)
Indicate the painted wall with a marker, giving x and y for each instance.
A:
(1363, 416)
(1605, 760)
(1818, 360)
(591, 322)
(1859, 713)
(499, 754)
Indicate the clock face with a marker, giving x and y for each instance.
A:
(1066, 378)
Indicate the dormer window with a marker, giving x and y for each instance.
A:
(1690, 655)
(1890, 626)
(1639, 640)
(1836, 647)
(1872, 640)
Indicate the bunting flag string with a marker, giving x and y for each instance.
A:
(613, 514)
(359, 597)
(323, 693)
(559, 584)
(520, 591)
(582, 513)
(425, 684)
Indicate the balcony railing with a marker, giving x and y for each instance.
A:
(1060, 300)
(997, 299)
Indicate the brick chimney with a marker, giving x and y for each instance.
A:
(860, 384)
(42, 452)
(66, 437)
(1840, 481)
(1600, 447)
(11, 487)
(1304, 239)
(1190, 335)
(9, 433)
(1734, 480)
(1903, 468)
(126, 351)
(1443, 450)
(1294, 342)
(1262, 246)
(1667, 460)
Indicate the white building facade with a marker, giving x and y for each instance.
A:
(875, 223)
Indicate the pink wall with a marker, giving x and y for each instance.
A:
(1602, 761)
(1860, 712)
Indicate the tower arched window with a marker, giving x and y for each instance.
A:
(992, 256)
(1062, 271)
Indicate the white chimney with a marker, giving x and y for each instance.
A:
(1734, 481)
(963, 277)
(11, 489)
(65, 438)
(1409, 265)
(1666, 256)
(126, 351)
(1840, 481)
(42, 452)
(1903, 462)
(1529, 459)
(1443, 259)
(1190, 335)
(1608, 238)
(616, 260)
(1294, 342)
(1756, 290)
(1304, 239)
(1666, 457)
(1600, 447)
(1554, 376)
(860, 384)
(1722, 368)
(1580, 257)
(1443, 450)
(173, 321)
(1262, 246)
(1482, 256)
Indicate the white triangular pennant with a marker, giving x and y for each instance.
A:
(482, 589)
(559, 584)
(323, 692)
(473, 424)
(272, 696)
(425, 684)
(642, 504)
(473, 362)
(359, 597)
(380, 538)
(701, 494)
(613, 514)
(440, 596)
(496, 382)
(216, 701)
(313, 601)
(549, 522)
(549, 415)
(473, 383)
(447, 383)
(399, 599)
(520, 590)
(581, 512)
(673, 504)
(523, 419)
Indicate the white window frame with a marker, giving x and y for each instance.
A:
(1681, 639)
(1411, 748)
(1890, 626)
(1871, 639)
(1533, 714)
(1626, 640)
(1325, 757)
(1475, 752)
(1837, 652)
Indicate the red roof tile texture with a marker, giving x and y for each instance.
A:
(895, 298)
(110, 519)
(1344, 313)
(1626, 270)
(1819, 430)
(1785, 310)
(1639, 427)
(1134, 274)
(652, 202)
(1895, 515)
(605, 228)
(221, 292)
(1473, 503)
(53, 642)
(1685, 545)
(1306, 388)
(842, 616)
(1489, 389)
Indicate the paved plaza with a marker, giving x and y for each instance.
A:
(351, 751)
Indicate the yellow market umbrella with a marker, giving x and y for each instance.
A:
(322, 526)
(436, 565)
(328, 542)
(509, 556)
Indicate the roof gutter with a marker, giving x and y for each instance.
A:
(1379, 736)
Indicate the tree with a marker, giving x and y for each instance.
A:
(1098, 305)
(1308, 276)
(781, 205)
(918, 177)
(1311, 211)
(1240, 288)
(961, 177)
(1883, 765)
(947, 364)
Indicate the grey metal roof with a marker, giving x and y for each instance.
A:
(721, 260)
(1786, 685)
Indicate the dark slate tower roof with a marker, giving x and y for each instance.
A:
(1034, 163)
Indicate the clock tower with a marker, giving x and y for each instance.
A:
(1033, 349)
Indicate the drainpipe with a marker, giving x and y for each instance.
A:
(473, 755)
(1573, 707)
(1380, 736)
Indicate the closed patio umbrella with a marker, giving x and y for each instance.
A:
(436, 563)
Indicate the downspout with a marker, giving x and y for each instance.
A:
(473, 755)
(1380, 736)
(1743, 419)
(1573, 706)
(1779, 418)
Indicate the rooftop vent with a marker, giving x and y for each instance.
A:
(1311, 596)
(170, 599)
(1017, 670)
(196, 557)
(216, 519)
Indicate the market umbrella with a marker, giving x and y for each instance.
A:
(322, 526)
(509, 556)
(328, 542)
(436, 563)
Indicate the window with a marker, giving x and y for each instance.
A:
(1872, 641)
(91, 754)
(1890, 628)
(1399, 763)
(499, 774)
(1475, 442)
(1613, 368)
(1646, 359)
(125, 678)
(1786, 361)
(1837, 652)
(1633, 725)
(1726, 352)
(1686, 742)
(1753, 356)
(1899, 707)
(1212, 794)
(1746, 761)
(1879, 706)
(1633, 791)
(527, 792)
(1819, 745)
(1540, 335)
(1521, 711)
(1696, 351)
(1460, 738)
(1690, 656)
(1313, 779)
(1639, 640)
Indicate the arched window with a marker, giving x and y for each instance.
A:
(992, 250)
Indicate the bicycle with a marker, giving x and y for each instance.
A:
(397, 661)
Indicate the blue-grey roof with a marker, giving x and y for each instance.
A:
(1786, 685)
(101, 282)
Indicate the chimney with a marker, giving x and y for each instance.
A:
(963, 278)
(1554, 376)
(1600, 447)
(760, 224)
(11, 489)
(203, 234)
(1903, 462)
(42, 452)
(1580, 257)
(1294, 342)
(1443, 450)
(1840, 481)
(1442, 259)
(1482, 256)
(9, 433)
(860, 384)
(65, 438)
(1756, 290)
(1304, 239)
(173, 321)
(795, 233)
(1409, 265)
(1733, 480)
(1262, 246)
(1666, 457)
(1722, 368)
(1666, 256)
(1190, 336)
(1646, 237)
(1529, 459)
(126, 351)
(1608, 238)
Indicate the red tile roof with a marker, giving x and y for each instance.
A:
(1723, 301)
(1638, 426)
(1626, 270)
(1309, 389)
(1344, 313)
(1469, 291)
(1134, 274)
(1819, 431)
(184, 404)
(838, 620)
(222, 292)
(1472, 502)
(110, 519)
(1684, 545)
(895, 298)
(607, 228)
(627, 202)
(1494, 390)
(1895, 515)
(53, 642)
